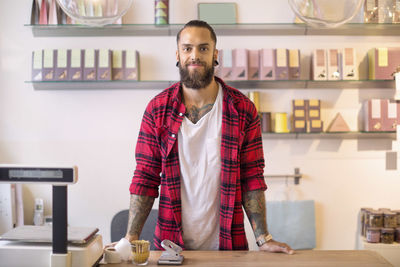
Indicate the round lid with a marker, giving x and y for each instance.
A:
(389, 213)
(387, 230)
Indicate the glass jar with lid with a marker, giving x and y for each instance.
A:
(375, 218)
(387, 235)
(364, 219)
(373, 234)
(389, 219)
(398, 234)
(397, 217)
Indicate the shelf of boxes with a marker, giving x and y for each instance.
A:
(150, 84)
(331, 135)
(350, 29)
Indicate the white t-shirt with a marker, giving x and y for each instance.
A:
(200, 166)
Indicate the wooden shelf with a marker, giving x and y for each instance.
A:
(304, 84)
(220, 29)
(339, 135)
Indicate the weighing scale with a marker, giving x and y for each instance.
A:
(56, 245)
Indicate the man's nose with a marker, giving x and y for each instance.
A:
(194, 55)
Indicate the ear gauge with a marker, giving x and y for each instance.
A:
(177, 64)
(216, 63)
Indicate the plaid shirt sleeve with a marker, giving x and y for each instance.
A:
(146, 179)
(251, 152)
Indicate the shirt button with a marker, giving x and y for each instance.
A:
(181, 114)
(160, 174)
(173, 135)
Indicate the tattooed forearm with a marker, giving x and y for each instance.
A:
(194, 114)
(140, 207)
(254, 205)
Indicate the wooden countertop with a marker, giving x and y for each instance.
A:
(258, 258)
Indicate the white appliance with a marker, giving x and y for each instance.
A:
(7, 207)
(47, 245)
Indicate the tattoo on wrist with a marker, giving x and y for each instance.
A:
(140, 207)
(254, 205)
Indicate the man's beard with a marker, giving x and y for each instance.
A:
(196, 79)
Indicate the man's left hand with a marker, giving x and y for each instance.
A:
(274, 246)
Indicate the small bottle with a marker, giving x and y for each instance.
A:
(38, 217)
(371, 11)
(373, 234)
(387, 235)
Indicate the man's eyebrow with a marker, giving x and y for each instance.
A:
(203, 44)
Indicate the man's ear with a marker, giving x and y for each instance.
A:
(215, 54)
(177, 56)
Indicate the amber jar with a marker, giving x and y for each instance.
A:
(373, 234)
(387, 235)
(389, 219)
(375, 219)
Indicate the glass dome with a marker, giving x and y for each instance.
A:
(95, 12)
(325, 13)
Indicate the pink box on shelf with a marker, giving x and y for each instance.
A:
(267, 65)
(294, 64)
(104, 58)
(391, 120)
(225, 68)
(37, 62)
(281, 64)
(319, 70)
(240, 64)
(49, 60)
(334, 64)
(349, 64)
(254, 64)
(75, 72)
(62, 64)
(375, 110)
(382, 62)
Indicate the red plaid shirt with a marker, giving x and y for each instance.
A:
(242, 163)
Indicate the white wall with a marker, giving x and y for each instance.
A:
(97, 129)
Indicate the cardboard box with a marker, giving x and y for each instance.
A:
(334, 64)
(316, 126)
(132, 65)
(391, 120)
(319, 65)
(349, 64)
(62, 64)
(281, 64)
(89, 70)
(37, 61)
(375, 110)
(118, 66)
(299, 107)
(225, 64)
(382, 62)
(267, 64)
(294, 64)
(254, 64)
(240, 65)
(49, 59)
(104, 57)
(314, 109)
(75, 72)
(299, 125)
